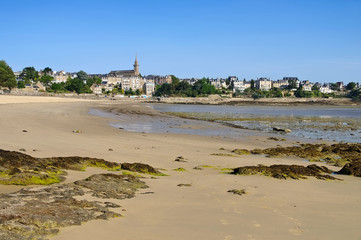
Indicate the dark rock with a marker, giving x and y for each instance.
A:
(352, 168)
(286, 171)
(337, 154)
(180, 159)
(184, 185)
(238, 191)
(139, 167)
(25, 131)
(276, 129)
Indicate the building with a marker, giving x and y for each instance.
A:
(126, 73)
(60, 76)
(128, 79)
(306, 86)
(218, 83)
(148, 88)
(158, 80)
(264, 84)
(280, 83)
(326, 88)
(240, 85)
(97, 89)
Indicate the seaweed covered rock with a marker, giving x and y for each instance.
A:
(352, 168)
(139, 167)
(21, 169)
(112, 185)
(336, 154)
(286, 171)
(36, 213)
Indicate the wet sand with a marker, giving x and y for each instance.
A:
(271, 209)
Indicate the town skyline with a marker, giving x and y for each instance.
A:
(318, 41)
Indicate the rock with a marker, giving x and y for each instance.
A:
(25, 131)
(352, 168)
(276, 129)
(286, 171)
(238, 191)
(184, 185)
(112, 185)
(139, 167)
(180, 159)
(37, 213)
(276, 139)
(336, 154)
(241, 151)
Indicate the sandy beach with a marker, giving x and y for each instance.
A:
(202, 209)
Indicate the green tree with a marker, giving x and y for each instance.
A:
(77, 85)
(7, 77)
(58, 87)
(138, 92)
(252, 84)
(29, 74)
(91, 81)
(292, 84)
(46, 79)
(315, 88)
(351, 86)
(335, 87)
(21, 84)
(83, 76)
(48, 71)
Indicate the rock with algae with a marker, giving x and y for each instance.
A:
(336, 154)
(36, 213)
(286, 171)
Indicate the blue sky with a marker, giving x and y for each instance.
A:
(318, 40)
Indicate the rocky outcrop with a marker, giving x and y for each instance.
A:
(336, 154)
(140, 167)
(352, 168)
(36, 213)
(286, 171)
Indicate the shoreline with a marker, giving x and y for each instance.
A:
(210, 100)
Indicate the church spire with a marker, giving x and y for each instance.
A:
(136, 66)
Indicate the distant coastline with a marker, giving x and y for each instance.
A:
(263, 101)
(210, 100)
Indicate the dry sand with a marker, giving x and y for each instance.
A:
(271, 209)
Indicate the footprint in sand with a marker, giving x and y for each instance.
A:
(224, 222)
(228, 237)
(250, 237)
(237, 211)
(296, 231)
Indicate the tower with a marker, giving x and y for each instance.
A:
(136, 67)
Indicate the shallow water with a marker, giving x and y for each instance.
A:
(340, 124)
(155, 124)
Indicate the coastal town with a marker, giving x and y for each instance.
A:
(131, 83)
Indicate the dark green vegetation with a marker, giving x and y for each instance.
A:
(286, 171)
(7, 77)
(344, 155)
(182, 88)
(36, 213)
(20, 169)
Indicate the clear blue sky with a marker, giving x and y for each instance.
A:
(318, 40)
